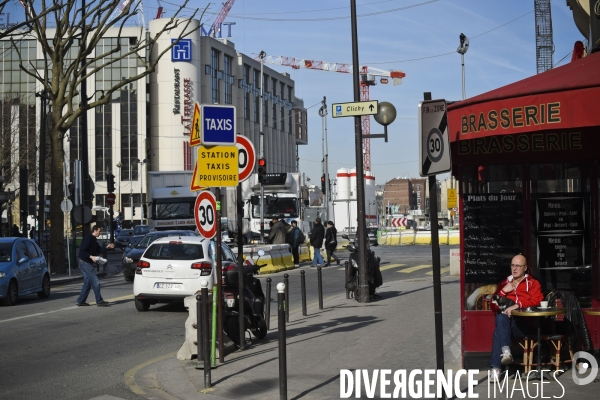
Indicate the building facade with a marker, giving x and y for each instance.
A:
(146, 126)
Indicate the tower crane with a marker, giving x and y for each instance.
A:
(159, 13)
(221, 16)
(368, 76)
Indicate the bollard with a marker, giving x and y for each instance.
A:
(268, 308)
(281, 311)
(199, 321)
(319, 275)
(303, 288)
(347, 265)
(287, 297)
(205, 334)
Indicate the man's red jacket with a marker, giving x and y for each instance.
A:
(527, 294)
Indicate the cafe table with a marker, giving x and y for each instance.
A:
(537, 312)
(592, 311)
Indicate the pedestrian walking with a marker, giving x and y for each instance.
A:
(88, 254)
(331, 243)
(277, 234)
(297, 239)
(15, 232)
(316, 241)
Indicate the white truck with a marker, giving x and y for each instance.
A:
(283, 199)
(171, 200)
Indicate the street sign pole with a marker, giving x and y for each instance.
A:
(220, 279)
(435, 258)
(363, 287)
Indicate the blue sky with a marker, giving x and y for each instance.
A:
(414, 36)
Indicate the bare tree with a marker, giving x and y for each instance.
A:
(69, 58)
(19, 27)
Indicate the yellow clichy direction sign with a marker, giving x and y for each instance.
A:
(451, 198)
(195, 134)
(217, 166)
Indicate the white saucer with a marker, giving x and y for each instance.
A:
(543, 308)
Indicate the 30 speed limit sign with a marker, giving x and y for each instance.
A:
(434, 154)
(246, 157)
(205, 214)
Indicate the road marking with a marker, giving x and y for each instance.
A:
(413, 269)
(127, 297)
(391, 266)
(442, 270)
(130, 375)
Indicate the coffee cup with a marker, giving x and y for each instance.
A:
(543, 304)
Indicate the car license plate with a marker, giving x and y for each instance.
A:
(174, 286)
(230, 302)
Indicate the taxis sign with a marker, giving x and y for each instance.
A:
(217, 166)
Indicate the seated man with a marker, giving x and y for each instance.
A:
(525, 292)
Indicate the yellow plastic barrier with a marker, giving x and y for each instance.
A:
(423, 238)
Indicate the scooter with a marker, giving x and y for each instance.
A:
(374, 277)
(254, 300)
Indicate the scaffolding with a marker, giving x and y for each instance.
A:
(544, 45)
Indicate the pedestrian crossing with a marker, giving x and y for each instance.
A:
(410, 270)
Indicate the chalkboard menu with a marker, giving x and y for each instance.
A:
(560, 251)
(560, 228)
(560, 214)
(493, 235)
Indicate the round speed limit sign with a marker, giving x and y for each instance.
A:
(435, 145)
(205, 214)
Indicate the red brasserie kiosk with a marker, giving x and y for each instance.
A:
(527, 159)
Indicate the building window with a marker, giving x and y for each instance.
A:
(214, 66)
(104, 159)
(290, 112)
(282, 103)
(129, 133)
(247, 106)
(246, 74)
(227, 61)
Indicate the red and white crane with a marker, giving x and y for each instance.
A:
(221, 16)
(368, 76)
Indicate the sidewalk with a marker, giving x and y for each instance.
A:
(395, 332)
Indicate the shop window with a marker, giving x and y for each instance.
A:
(560, 226)
(492, 226)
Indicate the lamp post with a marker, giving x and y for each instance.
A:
(141, 162)
(131, 192)
(323, 115)
(261, 150)
(462, 49)
(119, 165)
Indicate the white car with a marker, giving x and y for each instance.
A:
(173, 268)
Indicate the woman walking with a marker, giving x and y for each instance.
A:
(331, 243)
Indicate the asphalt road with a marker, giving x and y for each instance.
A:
(51, 349)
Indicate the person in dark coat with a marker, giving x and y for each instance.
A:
(316, 241)
(331, 243)
(15, 232)
(88, 254)
(295, 235)
(277, 234)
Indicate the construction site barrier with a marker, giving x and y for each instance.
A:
(410, 237)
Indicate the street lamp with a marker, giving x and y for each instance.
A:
(119, 165)
(131, 192)
(141, 162)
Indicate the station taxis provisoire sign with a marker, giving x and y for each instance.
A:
(216, 166)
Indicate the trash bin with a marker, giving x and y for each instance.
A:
(72, 255)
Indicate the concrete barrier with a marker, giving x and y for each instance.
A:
(189, 347)
(410, 237)
(454, 262)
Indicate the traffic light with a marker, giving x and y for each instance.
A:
(133, 211)
(110, 183)
(323, 185)
(262, 170)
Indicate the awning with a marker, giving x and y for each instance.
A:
(566, 97)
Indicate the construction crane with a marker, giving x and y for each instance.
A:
(159, 13)
(368, 79)
(221, 16)
(135, 7)
(544, 44)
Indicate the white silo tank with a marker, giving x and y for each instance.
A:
(343, 184)
(353, 183)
